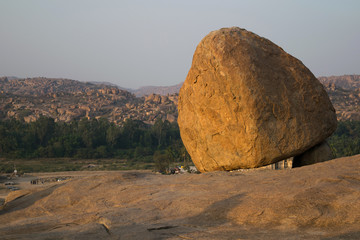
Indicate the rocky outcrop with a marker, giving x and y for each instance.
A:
(66, 100)
(317, 202)
(246, 103)
(320, 153)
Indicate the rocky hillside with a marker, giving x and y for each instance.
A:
(161, 90)
(347, 82)
(344, 93)
(65, 100)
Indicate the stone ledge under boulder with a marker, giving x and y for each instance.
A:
(320, 153)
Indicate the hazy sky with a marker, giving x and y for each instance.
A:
(137, 43)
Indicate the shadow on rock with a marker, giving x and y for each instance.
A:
(347, 236)
(216, 213)
(25, 201)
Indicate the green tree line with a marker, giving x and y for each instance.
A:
(85, 139)
(345, 141)
(134, 140)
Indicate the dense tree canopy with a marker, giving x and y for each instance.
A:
(98, 138)
(346, 139)
(95, 138)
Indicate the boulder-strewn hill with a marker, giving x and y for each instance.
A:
(40, 86)
(161, 90)
(347, 82)
(344, 93)
(65, 100)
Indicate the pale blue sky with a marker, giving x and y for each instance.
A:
(137, 43)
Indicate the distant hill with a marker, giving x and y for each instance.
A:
(344, 93)
(65, 99)
(40, 85)
(347, 82)
(106, 84)
(161, 90)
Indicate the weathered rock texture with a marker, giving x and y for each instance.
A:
(247, 103)
(315, 202)
(320, 153)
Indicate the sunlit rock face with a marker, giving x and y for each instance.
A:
(246, 103)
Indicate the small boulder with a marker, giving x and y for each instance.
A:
(246, 103)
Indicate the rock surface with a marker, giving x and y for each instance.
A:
(313, 202)
(320, 153)
(246, 103)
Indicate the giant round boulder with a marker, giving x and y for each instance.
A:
(247, 103)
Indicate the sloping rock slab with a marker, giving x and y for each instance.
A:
(320, 201)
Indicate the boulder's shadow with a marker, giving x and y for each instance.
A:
(27, 200)
(216, 213)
